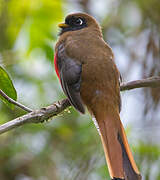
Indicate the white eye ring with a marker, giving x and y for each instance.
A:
(80, 21)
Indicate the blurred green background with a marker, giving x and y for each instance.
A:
(69, 147)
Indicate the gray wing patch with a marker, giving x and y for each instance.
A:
(70, 76)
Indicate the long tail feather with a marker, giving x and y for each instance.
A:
(118, 155)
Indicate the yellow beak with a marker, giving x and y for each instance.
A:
(63, 25)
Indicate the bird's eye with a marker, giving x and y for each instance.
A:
(79, 21)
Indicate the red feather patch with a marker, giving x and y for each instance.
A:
(55, 64)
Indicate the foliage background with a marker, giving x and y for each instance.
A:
(69, 147)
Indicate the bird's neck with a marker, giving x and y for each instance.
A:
(82, 34)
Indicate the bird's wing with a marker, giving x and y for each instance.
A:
(70, 76)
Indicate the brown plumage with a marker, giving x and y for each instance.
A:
(89, 76)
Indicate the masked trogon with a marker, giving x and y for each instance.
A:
(85, 66)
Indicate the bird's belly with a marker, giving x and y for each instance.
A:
(94, 93)
(98, 88)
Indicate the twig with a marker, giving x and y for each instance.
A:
(15, 102)
(55, 109)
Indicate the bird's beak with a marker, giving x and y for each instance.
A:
(63, 25)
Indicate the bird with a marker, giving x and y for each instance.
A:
(85, 66)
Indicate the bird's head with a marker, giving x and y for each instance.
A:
(78, 21)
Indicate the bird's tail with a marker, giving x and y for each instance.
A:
(118, 155)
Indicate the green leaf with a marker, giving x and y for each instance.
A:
(7, 87)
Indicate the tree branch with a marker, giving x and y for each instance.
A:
(148, 82)
(45, 113)
(36, 116)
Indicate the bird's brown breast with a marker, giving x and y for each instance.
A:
(100, 77)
